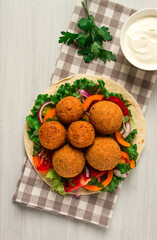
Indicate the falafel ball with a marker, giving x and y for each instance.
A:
(69, 109)
(104, 154)
(52, 135)
(68, 161)
(106, 117)
(81, 134)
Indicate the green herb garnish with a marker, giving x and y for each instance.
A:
(91, 40)
(131, 136)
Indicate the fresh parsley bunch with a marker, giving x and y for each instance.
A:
(91, 41)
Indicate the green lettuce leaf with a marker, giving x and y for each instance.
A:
(124, 167)
(33, 135)
(33, 122)
(57, 184)
(90, 86)
(36, 148)
(131, 136)
(32, 119)
(103, 90)
(131, 151)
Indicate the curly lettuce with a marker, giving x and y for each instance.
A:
(57, 183)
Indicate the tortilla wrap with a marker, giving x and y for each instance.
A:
(111, 86)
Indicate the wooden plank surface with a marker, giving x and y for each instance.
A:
(29, 31)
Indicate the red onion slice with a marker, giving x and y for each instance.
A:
(84, 93)
(99, 179)
(97, 91)
(41, 109)
(117, 173)
(127, 129)
(122, 131)
(77, 194)
(42, 151)
(82, 99)
(87, 172)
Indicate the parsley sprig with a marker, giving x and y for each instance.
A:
(90, 41)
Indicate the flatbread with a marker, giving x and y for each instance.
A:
(111, 86)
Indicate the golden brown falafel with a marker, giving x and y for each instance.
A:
(68, 161)
(106, 117)
(104, 154)
(52, 135)
(69, 109)
(81, 134)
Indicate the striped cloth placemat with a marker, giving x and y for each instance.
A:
(97, 208)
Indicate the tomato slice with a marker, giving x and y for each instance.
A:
(44, 162)
(82, 180)
(120, 103)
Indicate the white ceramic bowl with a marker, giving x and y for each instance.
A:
(147, 12)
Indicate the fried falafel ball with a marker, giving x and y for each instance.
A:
(104, 154)
(81, 134)
(52, 135)
(69, 109)
(106, 117)
(68, 161)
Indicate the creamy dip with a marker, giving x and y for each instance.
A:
(141, 41)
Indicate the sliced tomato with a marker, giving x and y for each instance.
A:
(120, 103)
(44, 162)
(76, 182)
(82, 180)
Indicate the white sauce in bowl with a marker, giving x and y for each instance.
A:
(140, 41)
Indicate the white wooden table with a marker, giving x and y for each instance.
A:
(29, 32)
